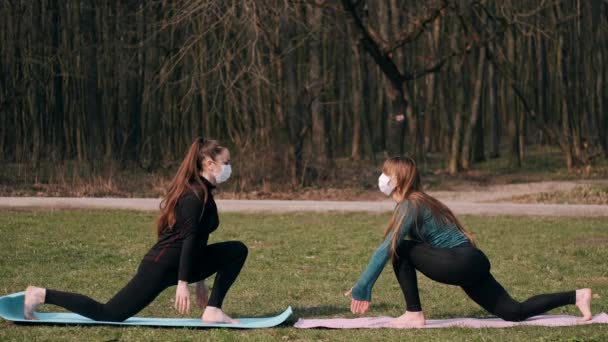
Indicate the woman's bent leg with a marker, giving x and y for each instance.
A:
(454, 266)
(406, 276)
(226, 259)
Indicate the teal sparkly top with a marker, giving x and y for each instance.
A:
(419, 224)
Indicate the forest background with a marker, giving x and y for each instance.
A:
(103, 98)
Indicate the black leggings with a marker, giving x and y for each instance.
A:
(467, 267)
(225, 258)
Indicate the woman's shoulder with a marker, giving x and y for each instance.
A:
(408, 203)
(418, 208)
(407, 207)
(403, 205)
(193, 193)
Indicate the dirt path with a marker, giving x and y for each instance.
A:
(477, 201)
(274, 206)
(466, 192)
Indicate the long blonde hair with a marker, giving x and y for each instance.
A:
(408, 187)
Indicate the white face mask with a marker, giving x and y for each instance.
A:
(384, 185)
(224, 174)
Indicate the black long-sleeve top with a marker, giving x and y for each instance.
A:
(183, 245)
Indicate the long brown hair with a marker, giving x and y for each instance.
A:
(409, 187)
(189, 171)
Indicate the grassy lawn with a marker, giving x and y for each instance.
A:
(589, 194)
(303, 260)
(541, 163)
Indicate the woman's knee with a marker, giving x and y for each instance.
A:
(240, 249)
(109, 316)
(512, 313)
(402, 260)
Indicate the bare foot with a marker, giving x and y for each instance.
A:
(408, 320)
(34, 297)
(583, 302)
(216, 315)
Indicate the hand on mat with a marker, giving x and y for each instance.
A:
(182, 298)
(357, 306)
(202, 294)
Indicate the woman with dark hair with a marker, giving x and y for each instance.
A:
(181, 255)
(443, 250)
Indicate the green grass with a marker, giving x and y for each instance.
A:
(303, 260)
(540, 163)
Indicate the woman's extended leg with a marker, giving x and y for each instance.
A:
(145, 286)
(490, 295)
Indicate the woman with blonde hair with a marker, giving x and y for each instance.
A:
(181, 254)
(441, 248)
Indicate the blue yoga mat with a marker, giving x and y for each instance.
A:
(11, 309)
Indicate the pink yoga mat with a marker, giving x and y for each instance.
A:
(379, 322)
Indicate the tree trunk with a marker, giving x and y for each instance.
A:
(457, 107)
(541, 79)
(314, 85)
(415, 147)
(295, 110)
(454, 167)
(479, 142)
(356, 102)
(476, 102)
(494, 117)
(94, 121)
(563, 83)
(394, 104)
(512, 114)
(429, 110)
(445, 120)
(600, 105)
(368, 78)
